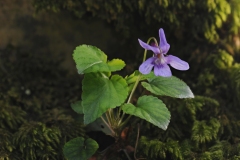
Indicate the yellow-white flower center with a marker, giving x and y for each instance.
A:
(160, 59)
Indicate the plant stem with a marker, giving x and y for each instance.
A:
(135, 86)
(108, 119)
(130, 96)
(113, 133)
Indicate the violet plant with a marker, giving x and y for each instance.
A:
(109, 97)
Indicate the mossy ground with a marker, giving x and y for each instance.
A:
(36, 118)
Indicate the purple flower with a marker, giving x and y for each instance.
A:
(160, 61)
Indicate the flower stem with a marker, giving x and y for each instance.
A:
(145, 51)
(135, 86)
(130, 98)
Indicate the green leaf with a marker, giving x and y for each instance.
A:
(91, 59)
(87, 56)
(151, 75)
(168, 86)
(131, 80)
(151, 109)
(79, 148)
(77, 107)
(113, 65)
(134, 76)
(116, 64)
(100, 94)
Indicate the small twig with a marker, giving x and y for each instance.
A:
(137, 142)
(129, 158)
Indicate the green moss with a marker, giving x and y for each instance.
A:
(11, 117)
(35, 114)
(35, 141)
(223, 60)
(6, 144)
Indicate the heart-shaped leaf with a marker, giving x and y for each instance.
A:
(91, 59)
(151, 109)
(77, 107)
(87, 56)
(168, 86)
(100, 94)
(79, 148)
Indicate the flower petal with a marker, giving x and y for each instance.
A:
(148, 47)
(147, 66)
(162, 70)
(163, 42)
(177, 63)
